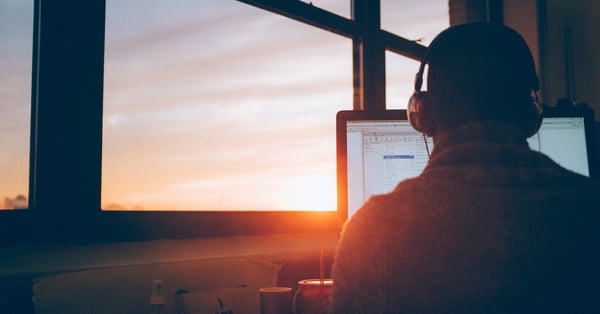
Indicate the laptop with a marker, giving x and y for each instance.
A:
(378, 149)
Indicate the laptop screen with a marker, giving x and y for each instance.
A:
(378, 149)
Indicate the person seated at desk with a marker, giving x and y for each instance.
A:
(490, 226)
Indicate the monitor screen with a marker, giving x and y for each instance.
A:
(375, 150)
(378, 149)
(564, 140)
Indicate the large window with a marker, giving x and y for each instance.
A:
(220, 106)
(16, 35)
(190, 118)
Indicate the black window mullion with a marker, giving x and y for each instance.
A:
(369, 56)
(67, 106)
(309, 14)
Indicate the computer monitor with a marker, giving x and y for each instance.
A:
(375, 151)
(568, 136)
(378, 149)
(563, 139)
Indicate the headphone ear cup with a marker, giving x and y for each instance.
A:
(534, 119)
(419, 115)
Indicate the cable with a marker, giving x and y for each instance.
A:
(426, 145)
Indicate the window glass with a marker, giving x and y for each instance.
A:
(415, 20)
(218, 105)
(339, 7)
(16, 35)
(400, 75)
(420, 21)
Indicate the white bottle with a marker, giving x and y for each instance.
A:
(157, 300)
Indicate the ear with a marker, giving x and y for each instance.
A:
(419, 115)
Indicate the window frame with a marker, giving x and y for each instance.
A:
(66, 129)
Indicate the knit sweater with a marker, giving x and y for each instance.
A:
(490, 226)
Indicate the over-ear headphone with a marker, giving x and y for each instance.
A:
(418, 108)
(419, 105)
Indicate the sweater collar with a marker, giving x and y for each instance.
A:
(477, 152)
(482, 132)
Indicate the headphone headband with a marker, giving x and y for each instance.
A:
(534, 81)
(419, 105)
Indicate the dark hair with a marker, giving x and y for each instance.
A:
(480, 72)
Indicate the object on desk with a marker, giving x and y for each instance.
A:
(157, 300)
(312, 296)
(275, 300)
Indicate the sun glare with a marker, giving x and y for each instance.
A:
(312, 193)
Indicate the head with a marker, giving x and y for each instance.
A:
(476, 72)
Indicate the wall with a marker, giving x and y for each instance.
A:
(563, 35)
(572, 51)
(522, 16)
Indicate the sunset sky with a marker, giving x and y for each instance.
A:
(220, 105)
(16, 26)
